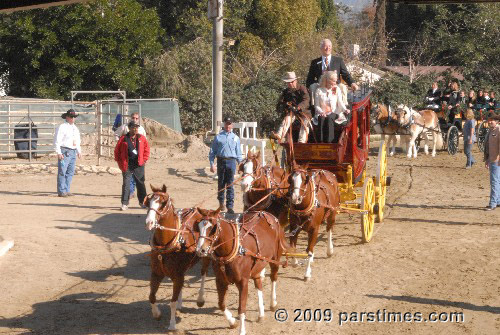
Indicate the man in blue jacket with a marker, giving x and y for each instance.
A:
(227, 149)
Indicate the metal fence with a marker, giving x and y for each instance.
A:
(27, 129)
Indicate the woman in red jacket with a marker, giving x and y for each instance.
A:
(131, 154)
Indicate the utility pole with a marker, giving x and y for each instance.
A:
(215, 13)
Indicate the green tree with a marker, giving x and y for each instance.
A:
(280, 22)
(96, 46)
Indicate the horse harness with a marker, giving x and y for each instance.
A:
(271, 184)
(315, 186)
(238, 226)
(178, 243)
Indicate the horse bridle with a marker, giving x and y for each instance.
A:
(256, 168)
(166, 208)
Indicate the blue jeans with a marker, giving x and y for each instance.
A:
(495, 184)
(468, 153)
(226, 168)
(65, 170)
(132, 185)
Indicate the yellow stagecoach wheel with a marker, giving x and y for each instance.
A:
(381, 181)
(367, 204)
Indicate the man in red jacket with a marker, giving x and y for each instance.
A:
(131, 154)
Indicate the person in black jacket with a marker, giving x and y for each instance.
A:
(327, 62)
(433, 97)
(454, 104)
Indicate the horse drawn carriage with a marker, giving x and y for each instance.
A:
(480, 113)
(347, 160)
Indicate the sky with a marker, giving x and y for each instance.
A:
(357, 5)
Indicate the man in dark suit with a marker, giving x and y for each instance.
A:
(433, 97)
(327, 62)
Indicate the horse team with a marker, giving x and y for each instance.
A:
(239, 247)
(409, 124)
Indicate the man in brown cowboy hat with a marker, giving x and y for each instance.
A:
(67, 147)
(293, 102)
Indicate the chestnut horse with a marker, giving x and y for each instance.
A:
(173, 245)
(315, 198)
(420, 122)
(240, 250)
(264, 187)
(385, 122)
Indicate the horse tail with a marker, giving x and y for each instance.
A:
(285, 246)
(439, 143)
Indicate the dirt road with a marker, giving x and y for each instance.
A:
(79, 265)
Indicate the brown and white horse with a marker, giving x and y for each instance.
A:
(240, 250)
(264, 187)
(314, 199)
(420, 123)
(385, 122)
(173, 246)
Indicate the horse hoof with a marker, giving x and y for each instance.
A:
(260, 319)
(200, 303)
(233, 326)
(273, 308)
(306, 279)
(329, 254)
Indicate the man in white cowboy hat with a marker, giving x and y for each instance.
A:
(293, 102)
(67, 147)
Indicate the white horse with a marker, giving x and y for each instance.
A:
(417, 123)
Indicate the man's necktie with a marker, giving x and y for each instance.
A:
(326, 64)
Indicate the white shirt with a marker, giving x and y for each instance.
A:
(123, 130)
(67, 135)
(323, 65)
(326, 102)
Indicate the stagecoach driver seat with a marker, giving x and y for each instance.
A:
(293, 104)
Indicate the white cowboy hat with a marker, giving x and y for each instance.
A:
(289, 77)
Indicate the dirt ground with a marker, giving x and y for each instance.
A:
(80, 266)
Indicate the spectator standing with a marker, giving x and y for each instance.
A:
(469, 137)
(492, 159)
(123, 130)
(227, 149)
(131, 154)
(67, 146)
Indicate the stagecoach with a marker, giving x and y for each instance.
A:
(347, 160)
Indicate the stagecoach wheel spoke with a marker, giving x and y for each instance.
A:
(452, 138)
(367, 204)
(380, 181)
(481, 135)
